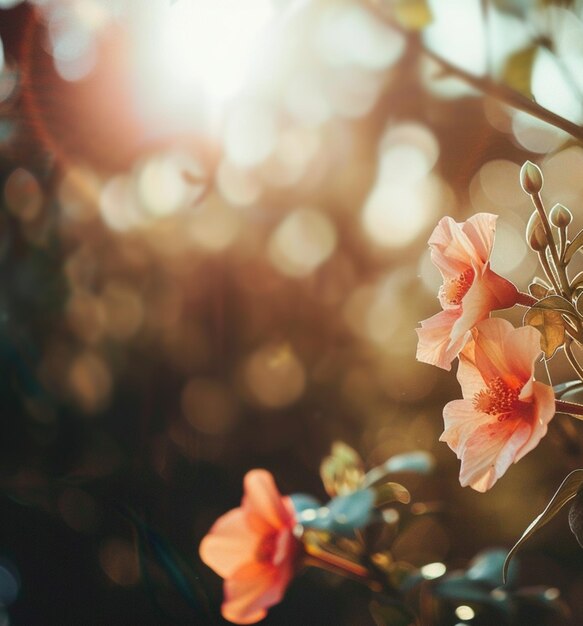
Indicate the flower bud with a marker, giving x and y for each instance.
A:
(576, 518)
(560, 216)
(531, 178)
(535, 233)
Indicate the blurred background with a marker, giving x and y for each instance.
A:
(213, 227)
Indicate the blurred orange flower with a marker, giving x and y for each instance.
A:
(253, 548)
(505, 412)
(470, 290)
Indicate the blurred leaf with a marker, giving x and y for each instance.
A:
(303, 502)
(517, 72)
(391, 614)
(487, 567)
(404, 576)
(419, 462)
(551, 326)
(388, 493)
(378, 536)
(178, 571)
(565, 493)
(351, 511)
(343, 471)
(458, 587)
(343, 514)
(573, 246)
(412, 14)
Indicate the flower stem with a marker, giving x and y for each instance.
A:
(548, 271)
(572, 408)
(325, 559)
(525, 299)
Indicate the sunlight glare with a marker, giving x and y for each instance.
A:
(210, 45)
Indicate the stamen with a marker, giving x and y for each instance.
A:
(455, 289)
(497, 399)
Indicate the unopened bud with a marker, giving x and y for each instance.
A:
(531, 178)
(576, 518)
(560, 216)
(535, 233)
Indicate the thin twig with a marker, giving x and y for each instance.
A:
(485, 84)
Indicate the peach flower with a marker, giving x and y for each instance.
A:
(253, 548)
(505, 412)
(470, 290)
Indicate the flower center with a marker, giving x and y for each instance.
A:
(497, 399)
(266, 548)
(455, 289)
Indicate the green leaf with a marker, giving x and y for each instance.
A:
(487, 567)
(412, 14)
(390, 492)
(565, 493)
(419, 462)
(343, 514)
(517, 72)
(573, 246)
(343, 471)
(557, 303)
(458, 587)
(571, 391)
(551, 326)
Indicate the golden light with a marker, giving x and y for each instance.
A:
(465, 612)
(194, 50)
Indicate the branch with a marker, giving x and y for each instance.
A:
(484, 84)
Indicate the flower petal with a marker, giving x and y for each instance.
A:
(544, 411)
(489, 292)
(480, 230)
(507, 352)
(263, 501)
(230, 544)
(460, 421)
(490, 451)
(451, 250)
(523, 350)
(435, 346)
(468, 375)
(252, 590)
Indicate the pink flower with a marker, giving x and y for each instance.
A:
(505, 412)
(470, 290)
(253, 548)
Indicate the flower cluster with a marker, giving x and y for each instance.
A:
(260, 546)
(504, 412)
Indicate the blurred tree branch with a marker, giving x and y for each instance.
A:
(483, 84)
